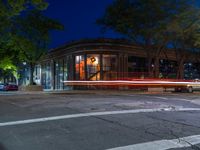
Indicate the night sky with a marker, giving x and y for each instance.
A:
(78, 17)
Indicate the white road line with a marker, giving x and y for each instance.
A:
(161, 97)
(182, 99)
(93, 114)
(158, 97)
(163, 144)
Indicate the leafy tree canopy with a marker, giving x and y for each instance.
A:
(184, 29)
(6, 65)
(11, 10)
(155, 24)
(142, 20)
(33, 32)
(24, 31)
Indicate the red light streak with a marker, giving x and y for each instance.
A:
(136, 82)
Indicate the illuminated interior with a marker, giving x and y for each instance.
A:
(79, 67)
(93, 67)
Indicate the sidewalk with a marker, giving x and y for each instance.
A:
(106, 92)
(89, 92)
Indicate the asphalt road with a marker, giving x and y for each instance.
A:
(100, 121)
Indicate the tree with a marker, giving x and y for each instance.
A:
(25, 37)
(145, 22)
(7, 67)
(9, 11)
(33, 34)
(184, 33)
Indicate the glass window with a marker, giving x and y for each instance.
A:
(109, 67)
(79, 67)
(59, 74)
(67, 66)
(46, 76)
(66, 69)
(137, 67)
(167, 68)
(93, 67)
(37, 74)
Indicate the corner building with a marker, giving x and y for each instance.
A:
(97, 59)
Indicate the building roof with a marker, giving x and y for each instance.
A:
(105, 45)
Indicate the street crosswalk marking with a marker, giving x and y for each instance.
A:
(45, 119)
(163, 144)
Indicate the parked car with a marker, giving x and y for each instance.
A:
(10, 87)
(191, 86)
(2, 86)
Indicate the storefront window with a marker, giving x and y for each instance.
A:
(79, 67)
(93, 67)
(167, 68)
(46, 76)
(109, 67)
(37, 74)
(137, 67)
(66, 69)
(67, 66)
(191, 70)
(59, 74)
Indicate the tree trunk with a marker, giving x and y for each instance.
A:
(156, 67)
(31, 73)
(180, 70)
(181, 57)
(154, 54)
(158, 51)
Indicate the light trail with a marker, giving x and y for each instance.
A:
(135, 83)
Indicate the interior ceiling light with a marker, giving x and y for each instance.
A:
(92, 59)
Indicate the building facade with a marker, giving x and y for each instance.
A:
(99, 59)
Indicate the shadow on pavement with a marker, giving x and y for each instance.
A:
(2, 147)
